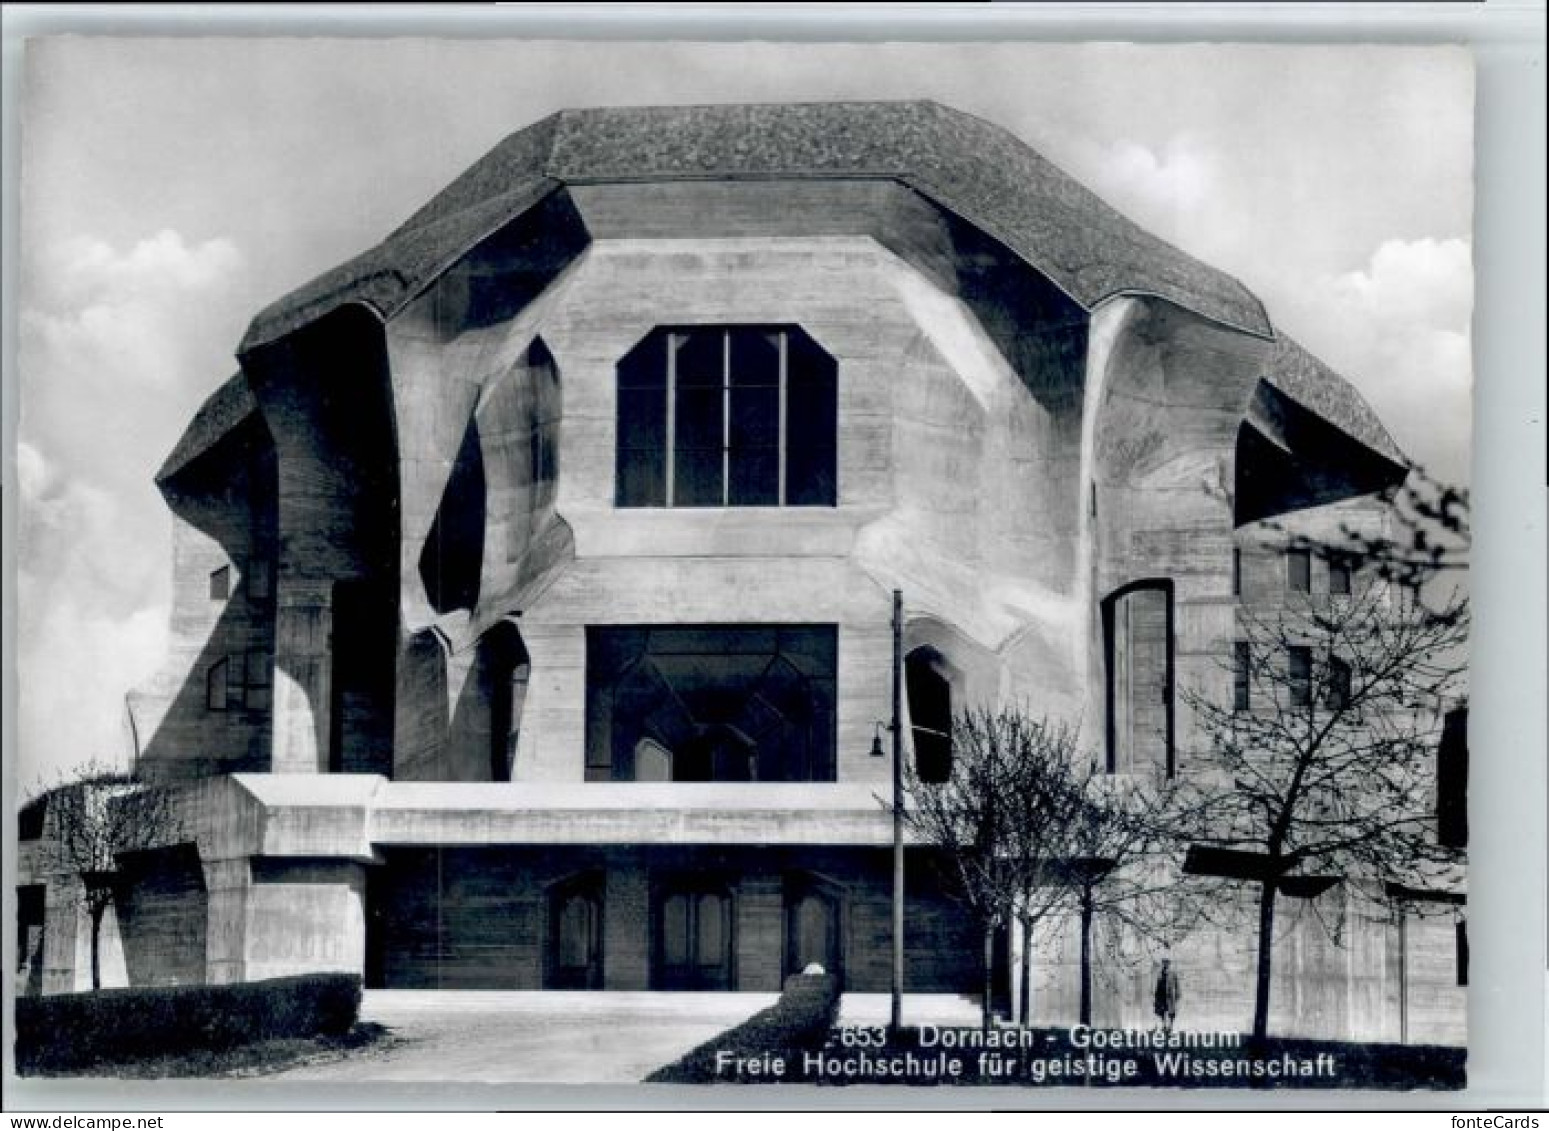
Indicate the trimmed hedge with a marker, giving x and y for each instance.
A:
(71, 1031)
(800, 1020)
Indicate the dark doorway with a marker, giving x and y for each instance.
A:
(1138, 646)
(505, 665)
(30, 917)
(813, 930)
(694, 940)
(575, 936)
(365, 643)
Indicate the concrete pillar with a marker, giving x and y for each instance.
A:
(226, 885)
(61, 935)
(626, 926)
(303, 671)
(305, 917)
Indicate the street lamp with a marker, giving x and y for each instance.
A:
(896, 1017)
(895, 727)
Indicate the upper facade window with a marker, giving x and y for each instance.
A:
(1340, 570)
(1298, 571)
(727, 416)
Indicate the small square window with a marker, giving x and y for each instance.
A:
(1336, 693)
(1242, 660)
(1299, 676)
(1339, 571)
(260, 579)
(217, 687)
(1298, 571)
(220, 583)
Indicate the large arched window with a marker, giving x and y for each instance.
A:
(700, 703)
(1138, 647)
(727, 416)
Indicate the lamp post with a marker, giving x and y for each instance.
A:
(896, 1015)
(896, 727)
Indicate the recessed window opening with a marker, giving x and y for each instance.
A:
(1299, 676)
(1336, 692)
(220, 583)
(1339, 571)
(1242, 676)
(930, 714)
(711, 703)
(1298, 571)
(215, 685)
(727, 416)
(260, 579)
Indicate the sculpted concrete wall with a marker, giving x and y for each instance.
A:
(1166, 395)
(326, 399)
(955, 483)
(208, 708)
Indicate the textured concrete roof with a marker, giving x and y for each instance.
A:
(218, 415)
(964, 164)
(1306, 380)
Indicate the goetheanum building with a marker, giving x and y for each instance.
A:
(533, 579)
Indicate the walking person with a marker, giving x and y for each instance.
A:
(1166, 1003)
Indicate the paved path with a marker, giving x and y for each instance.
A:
(918, 1009)
(476, 1036)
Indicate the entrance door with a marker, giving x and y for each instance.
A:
(575, 938)
(812, 932)
(694, 941)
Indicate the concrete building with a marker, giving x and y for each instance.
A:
(533, 576)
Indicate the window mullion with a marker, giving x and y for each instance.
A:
(726, 418)
(672, 411)
(780, 457)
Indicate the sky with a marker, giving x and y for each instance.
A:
(172, 188)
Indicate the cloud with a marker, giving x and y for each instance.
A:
(1169, 180)
(1168, 187)
(1398, 328)
(117, 349)
(129, 313)
(91, 618)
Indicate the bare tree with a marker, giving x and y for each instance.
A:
(1323, 768)
(968, 817)
(1035, 833)
(92, 818)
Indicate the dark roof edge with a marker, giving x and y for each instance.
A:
(1304, 378)
(221, 411)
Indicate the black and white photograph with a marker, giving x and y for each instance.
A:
(751, 564)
